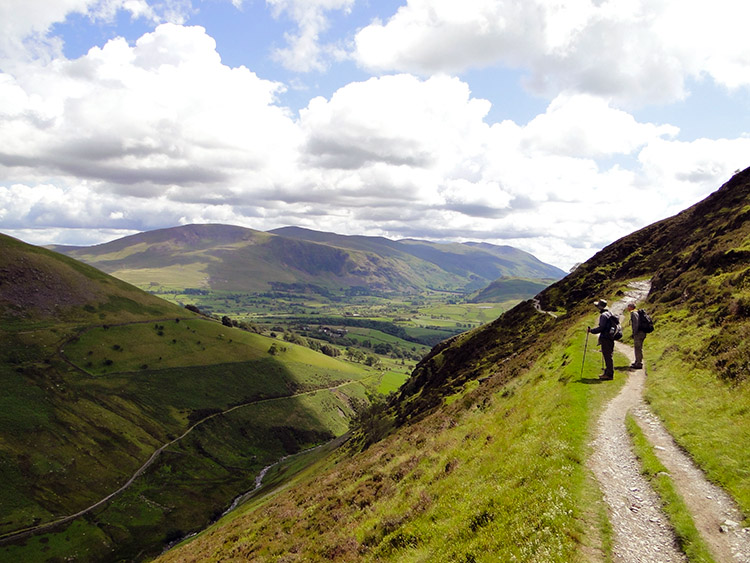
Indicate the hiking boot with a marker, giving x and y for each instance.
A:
(605, 377)
(636, 366)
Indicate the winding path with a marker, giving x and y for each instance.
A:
(20, 534)
(642, 532)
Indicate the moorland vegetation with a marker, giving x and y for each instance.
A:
(479, 456)
(482, 456)
(103, 382)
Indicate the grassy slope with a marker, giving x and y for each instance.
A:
(72, 432)
(498, 474)
(39, 288)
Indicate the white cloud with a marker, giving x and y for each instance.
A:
(586, 126)
(305, 52)
(632, 52)
(400, 120)
(399, 156)
(25, 24)
(157, 133)
(164, 114)
(686, 172)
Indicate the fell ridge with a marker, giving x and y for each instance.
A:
(697, 260)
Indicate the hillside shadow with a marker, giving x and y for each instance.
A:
(245, 416)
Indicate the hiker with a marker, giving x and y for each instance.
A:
(639, 335)
(606, 338)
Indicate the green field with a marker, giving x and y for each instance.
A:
(391, 381)
(472, 313)
(163, 378)
(172, 344)
(426, 318)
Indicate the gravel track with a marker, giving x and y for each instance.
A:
(642, 532)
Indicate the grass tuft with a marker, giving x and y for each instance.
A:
(688, 537)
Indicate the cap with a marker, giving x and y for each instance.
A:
(601, 303)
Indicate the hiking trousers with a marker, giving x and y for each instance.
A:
(638, 339)
(608, 349)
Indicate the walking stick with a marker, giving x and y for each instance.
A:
(585, 347)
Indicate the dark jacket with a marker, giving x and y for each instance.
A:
(603, 329)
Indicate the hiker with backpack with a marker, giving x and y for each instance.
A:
(609, 330)
(641, 324)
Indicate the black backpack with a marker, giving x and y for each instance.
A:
(645, 323)
(614, 331)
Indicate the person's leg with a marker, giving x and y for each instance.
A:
(608, 348)
(638, 339)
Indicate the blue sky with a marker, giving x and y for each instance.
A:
(553, 127)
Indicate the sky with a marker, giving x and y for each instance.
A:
(556, 127)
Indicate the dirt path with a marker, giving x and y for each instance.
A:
(641, 531)
(715, 513)
(47, 526)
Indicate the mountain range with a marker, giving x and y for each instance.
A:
(231, 258)
(480, 456)
(126, 419)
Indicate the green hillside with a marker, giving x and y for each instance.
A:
(509, 289)
(37, 286)
(229, 258)
(482, 455)
(477, 262)
(99, 376)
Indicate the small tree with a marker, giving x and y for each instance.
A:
(329, 350)
(372, 421)
(372, 361)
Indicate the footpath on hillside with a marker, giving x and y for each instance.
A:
(642, 533)
(49, 526)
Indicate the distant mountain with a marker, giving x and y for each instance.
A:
(484, 452)
(224, 257)
(509, 289)
(468, 260)
(97, 376)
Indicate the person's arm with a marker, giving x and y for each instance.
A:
(602, 324)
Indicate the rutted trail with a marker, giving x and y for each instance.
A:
(642, 532)
(715, 513)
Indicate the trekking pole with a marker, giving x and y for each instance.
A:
(585, 346)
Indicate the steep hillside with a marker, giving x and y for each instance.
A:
(103, 383)
(699, 262)
(37, 284)
(222, 257)
(481, 455)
